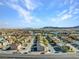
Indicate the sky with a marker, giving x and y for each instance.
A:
(39, 13)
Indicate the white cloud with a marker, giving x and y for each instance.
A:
(63, 12)
(66, 17)
(69, 13)
(30, 4)
(22, 12)
(66, 14)
(25, 13)
(76, 11)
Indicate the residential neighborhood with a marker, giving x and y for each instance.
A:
(41, 41)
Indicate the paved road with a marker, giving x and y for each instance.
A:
(28, 48)
(39, 56)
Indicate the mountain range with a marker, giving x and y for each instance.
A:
(50, 27)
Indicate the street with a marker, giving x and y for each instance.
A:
(41, 56)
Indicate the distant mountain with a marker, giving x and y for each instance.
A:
(75, 27)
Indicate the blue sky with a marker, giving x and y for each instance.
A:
(38, 13)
